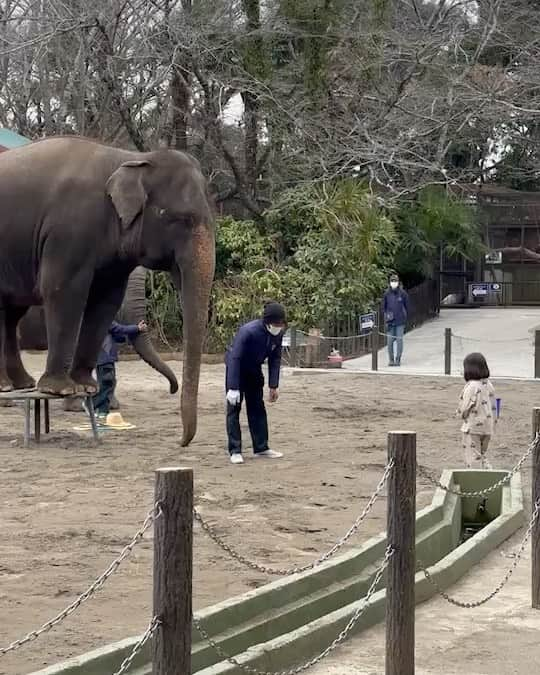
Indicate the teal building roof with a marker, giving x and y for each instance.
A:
(10, 139)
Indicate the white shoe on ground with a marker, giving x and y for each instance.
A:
(269, 454)
(237, 458)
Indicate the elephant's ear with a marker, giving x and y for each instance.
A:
(125, 188)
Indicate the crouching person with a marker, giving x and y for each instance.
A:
(253, 344)
(106, 365)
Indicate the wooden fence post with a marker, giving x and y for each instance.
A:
(535, 536)
(537, 353)
(173, 570)
(292, 347)
(401, 521)
(375, 348)
(447, 351)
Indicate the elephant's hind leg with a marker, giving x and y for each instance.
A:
(5, 382)
(14, 366)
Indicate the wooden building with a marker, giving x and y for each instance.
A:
(509, 221)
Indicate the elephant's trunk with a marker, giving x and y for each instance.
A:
(197, 273)
(145, 349)
(133, 311)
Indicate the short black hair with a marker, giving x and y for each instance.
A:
(475, 367)
(274, 311)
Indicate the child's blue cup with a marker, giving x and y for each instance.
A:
(498, 402)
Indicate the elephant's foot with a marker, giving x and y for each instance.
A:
(5, 382)
(85, 382)
(58, 385)
(73, 404)
(21, 379)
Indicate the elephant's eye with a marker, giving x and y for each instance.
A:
(160, 213)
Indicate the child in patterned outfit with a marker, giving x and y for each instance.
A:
(477, 409)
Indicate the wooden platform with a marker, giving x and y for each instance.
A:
(29, 395)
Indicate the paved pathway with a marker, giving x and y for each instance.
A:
(504, 335)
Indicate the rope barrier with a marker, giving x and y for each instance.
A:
(473, 339)
(481, 493)
(265, 569)
(91, 590)
(501, 585)
(334, 337)
(126, 663)
(408, 336)
(343, 635)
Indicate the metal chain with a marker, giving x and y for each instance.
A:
(308, 566)
(126, 663)
(155, 513)
(502, 584)
(480, 493)
(343, 635)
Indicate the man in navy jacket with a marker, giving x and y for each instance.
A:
(253, 344)
(396, 311)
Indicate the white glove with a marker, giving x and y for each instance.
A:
(233, 397)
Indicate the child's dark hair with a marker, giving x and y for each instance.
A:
(475, 367)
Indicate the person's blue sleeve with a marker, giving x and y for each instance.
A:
(274, 365)
(406, 302)
(235, 359)
(120, 332)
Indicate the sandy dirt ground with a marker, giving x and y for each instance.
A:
(67, 508)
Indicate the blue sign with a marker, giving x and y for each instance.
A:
(495, 288)
(368, 321)
(479, 290)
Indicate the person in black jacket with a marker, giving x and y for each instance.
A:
(253, 344)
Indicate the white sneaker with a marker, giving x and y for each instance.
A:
(269, 454)
(236, 458)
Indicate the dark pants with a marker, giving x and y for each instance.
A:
(252, 392)
(106, 375)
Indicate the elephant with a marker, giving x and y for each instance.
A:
(33, 334)
(77, 217)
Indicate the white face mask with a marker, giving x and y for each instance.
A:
(394, 284)
(274, 330)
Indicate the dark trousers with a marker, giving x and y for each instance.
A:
(106, 375)
(252, 392)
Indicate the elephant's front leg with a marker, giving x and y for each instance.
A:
(64, 300)
(14, 366)
(102, 306)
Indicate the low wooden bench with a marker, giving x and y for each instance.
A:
(29, 395)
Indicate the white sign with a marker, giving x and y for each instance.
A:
(479, 290)
(367, 321)
(494, 258)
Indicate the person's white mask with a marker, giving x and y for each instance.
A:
(274, 330)
(394, 284)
